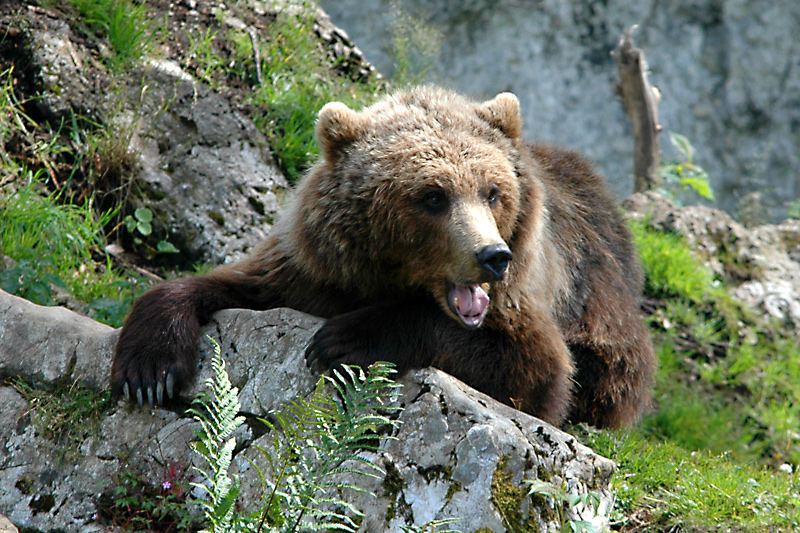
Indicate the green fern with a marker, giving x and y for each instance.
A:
(216, 412)
(316, 454)
(318, 450)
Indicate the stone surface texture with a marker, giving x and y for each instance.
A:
(762, 264)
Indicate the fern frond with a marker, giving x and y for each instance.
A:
(217, 414)
(320, 447)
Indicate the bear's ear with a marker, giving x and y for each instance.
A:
(337, 127)
(503, 112)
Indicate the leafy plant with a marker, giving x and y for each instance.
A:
(31, 280)
(320, 444)
(137, 503)
(216, 411)
(684, 175)
(564, 502)
(140, 222)
(53, 243)
(316, 449)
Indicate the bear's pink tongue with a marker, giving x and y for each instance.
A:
(470, 302)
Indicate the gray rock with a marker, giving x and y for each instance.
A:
(68, 76)
(53, 344)
(727, 71)
(204, 169)
(455, 449)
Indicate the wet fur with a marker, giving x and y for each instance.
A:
(563, 338)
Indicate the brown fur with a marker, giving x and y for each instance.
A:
(368, 244)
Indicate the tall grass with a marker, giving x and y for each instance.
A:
(60, 243)
(125, 24)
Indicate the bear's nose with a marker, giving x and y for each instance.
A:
(493, 260)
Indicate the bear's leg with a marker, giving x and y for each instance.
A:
(156, 350)
(155, 353)
(529, 370)
(614, 359)
(613, 379)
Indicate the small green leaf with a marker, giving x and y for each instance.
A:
(166, 247)
(143, 214)
(699, 185)
(130, 223)
(682, 144)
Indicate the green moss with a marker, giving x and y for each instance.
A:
(217, 217)
(508, 499)
(25, 485)
(393, 485)
(453, 488)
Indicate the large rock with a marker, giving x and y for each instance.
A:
(458, 453)
(200, 165)
(52, 344)
(727, 71)
(205, 170)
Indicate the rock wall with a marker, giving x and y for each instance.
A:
(728, 70)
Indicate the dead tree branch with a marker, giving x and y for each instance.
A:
(641, 103)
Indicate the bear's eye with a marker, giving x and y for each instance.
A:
(435, 201)
(493, 196)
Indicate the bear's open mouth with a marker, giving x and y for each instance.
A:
(469, 302)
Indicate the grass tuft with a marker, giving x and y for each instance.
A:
(125, 24)
(64, 415)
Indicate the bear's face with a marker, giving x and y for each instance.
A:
(448, 204)
(425, 192)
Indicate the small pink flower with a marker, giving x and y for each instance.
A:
(166, 485)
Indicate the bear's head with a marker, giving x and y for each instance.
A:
(420, 191)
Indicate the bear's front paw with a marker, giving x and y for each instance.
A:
(155, 354)
(150, 379)
(344, 339)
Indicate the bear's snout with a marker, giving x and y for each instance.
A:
(493, 260)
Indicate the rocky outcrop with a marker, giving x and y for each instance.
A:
(205, 170)
(762, 264)
(457, 453)
(727, 72)
(201, 166)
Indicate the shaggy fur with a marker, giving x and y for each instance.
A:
(429, 233)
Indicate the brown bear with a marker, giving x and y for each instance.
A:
(429, 233)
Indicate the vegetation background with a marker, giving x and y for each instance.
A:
(719, 451)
